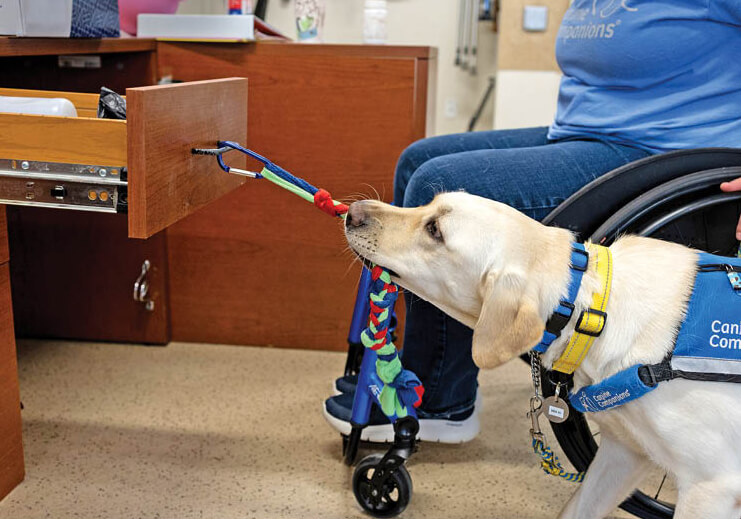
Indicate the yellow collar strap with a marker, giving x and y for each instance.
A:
(592, 321)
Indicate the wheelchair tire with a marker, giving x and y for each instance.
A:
(694, 205)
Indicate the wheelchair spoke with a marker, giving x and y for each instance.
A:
(661, 485)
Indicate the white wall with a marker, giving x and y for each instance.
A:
(410, 22)
(525, 98)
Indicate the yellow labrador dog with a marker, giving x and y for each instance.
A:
(502, 274)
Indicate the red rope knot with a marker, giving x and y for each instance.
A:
(323, 200)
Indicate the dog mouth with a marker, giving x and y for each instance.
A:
(369, 264)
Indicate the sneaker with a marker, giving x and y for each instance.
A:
(346, 384)
(457, 428)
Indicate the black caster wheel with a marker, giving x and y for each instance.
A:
(391, 499)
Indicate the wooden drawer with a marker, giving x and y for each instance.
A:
(142, 166)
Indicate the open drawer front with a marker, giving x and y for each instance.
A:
(142, 166)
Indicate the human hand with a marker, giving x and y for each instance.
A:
(733, 185)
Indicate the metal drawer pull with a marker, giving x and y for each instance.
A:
(141, 288)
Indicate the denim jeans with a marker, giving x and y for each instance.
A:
(521, 168)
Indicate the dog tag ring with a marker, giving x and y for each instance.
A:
(555, 409)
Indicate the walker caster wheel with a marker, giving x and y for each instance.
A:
(394, 493)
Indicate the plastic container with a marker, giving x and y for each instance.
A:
(374, 26)
(310, 20)
(37, 106)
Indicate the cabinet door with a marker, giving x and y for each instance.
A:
(73, 277)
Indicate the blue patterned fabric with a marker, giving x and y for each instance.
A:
(95, 19)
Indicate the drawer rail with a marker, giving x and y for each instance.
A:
(64, 186)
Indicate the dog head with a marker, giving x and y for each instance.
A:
(469, 256)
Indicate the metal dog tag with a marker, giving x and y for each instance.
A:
(555, 409)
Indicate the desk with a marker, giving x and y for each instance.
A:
(258, 267)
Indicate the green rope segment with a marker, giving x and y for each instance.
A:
(275, 179)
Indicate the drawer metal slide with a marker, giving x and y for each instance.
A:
(64, 186)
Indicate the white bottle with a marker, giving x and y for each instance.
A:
(374, 27)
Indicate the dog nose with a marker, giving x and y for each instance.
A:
(356, 216)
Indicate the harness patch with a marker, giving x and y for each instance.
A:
(708, 345)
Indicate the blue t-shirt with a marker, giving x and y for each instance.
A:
(656, 74)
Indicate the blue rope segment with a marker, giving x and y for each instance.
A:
(550, 464)
(282, 173)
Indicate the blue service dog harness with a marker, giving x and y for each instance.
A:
(708, 346)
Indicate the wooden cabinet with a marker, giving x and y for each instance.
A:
(262, 267)
(73, 277)
(11, 447)
(74, 271)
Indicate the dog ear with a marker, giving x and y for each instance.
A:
(509, 324)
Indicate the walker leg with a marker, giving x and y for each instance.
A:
(351, 443)
(359, 321)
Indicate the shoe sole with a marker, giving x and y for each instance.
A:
(430, 430)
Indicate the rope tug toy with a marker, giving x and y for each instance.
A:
(401, 388)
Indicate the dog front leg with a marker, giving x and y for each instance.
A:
(614, 472)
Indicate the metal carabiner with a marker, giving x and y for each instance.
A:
(536, 407)
(225, 146)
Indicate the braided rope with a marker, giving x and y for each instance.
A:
(550, 464)
(401, 388)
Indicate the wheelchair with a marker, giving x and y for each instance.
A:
(672, 196)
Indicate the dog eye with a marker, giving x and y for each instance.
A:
(434, 230)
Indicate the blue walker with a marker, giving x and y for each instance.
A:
(381, 483)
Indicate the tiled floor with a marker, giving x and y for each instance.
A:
(203, 431)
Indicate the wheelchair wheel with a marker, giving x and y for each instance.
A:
(689, 210)
(392, 498)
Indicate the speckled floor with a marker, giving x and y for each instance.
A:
(203, 431)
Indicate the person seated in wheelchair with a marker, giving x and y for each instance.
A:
(639, 78)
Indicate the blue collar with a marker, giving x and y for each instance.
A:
(565, 309)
